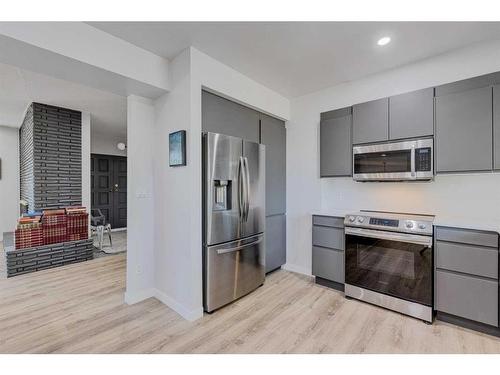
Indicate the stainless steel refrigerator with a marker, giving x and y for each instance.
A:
(234, 206)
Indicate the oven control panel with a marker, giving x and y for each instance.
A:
(394, 222)
(384, 222)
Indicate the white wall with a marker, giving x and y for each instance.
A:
(140, 203)
(9, 179)
(178, 216)
(471, 195)
(104, 143)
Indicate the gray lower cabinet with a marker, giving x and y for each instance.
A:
(466, 274)
(275, 242)
(370, 121)
(464, 131)
(328, 248)
(496, 127)
(411, 114)
(223, 116)
(336, 143)
(467, 297)
(328, 264)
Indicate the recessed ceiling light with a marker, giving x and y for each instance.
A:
(383, 41)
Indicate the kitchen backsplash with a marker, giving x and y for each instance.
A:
(474, 195)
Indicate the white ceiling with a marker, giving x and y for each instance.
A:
(19, 87)
(295, 58)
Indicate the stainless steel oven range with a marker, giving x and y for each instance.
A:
(388, 261)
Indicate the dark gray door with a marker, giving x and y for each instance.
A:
(275, 242)
(119, 192)
(336, 143)
(223, 116)
(411, 114)
(464, 131)
(370, 121)
(273, 136)
(109, 188)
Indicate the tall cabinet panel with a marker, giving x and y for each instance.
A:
(223, 116)
(496, 127)
(464, 130)
(273, 136)
(336, 143)
(370, 121)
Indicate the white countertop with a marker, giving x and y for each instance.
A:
(467, 223)
(340, 212)
(439, 220)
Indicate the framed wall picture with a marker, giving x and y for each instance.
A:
(177, 148)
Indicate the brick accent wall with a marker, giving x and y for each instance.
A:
(26, 159)
(51, 157)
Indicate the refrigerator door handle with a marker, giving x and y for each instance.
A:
(236, 248)
(241, 188)
(247, 198)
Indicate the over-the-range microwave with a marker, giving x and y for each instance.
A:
(396, 161)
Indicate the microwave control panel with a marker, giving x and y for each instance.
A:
(423, 159)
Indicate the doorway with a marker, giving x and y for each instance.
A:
(109, 188)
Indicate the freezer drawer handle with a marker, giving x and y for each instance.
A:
(233, 249)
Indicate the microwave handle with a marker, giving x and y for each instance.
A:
(412, 162)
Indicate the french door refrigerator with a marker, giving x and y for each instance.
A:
(234, 206)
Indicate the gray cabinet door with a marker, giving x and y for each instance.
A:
(223, 116)
(328, 264)
(467, 297)
(411, 114)
(496, 126)
(464, 131)
(275, 242)
(370, 121)
(273, 136)
(336, 146)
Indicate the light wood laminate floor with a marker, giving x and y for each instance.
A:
(80, 309)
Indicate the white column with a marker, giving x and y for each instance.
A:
(140, 207)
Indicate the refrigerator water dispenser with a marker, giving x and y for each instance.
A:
(222, 195)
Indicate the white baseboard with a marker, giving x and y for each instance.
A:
(296, 269)
(190, 315)
(118, 229)
(135, 297)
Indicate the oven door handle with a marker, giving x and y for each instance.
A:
(401, 237)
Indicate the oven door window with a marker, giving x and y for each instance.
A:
(399, 269)
(383, 162)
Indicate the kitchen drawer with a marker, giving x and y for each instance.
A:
(328, 221)
(481, 261)
(328, 264)
(468, 236)
(467, 297)
(332, 238)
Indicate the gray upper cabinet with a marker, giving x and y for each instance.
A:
(496, 127)
(464, 131)
(223, 116)
(273, 136)
(336, 143)
(411, 114)
(370, 121)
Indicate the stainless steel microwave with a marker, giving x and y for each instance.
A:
(397, 161)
